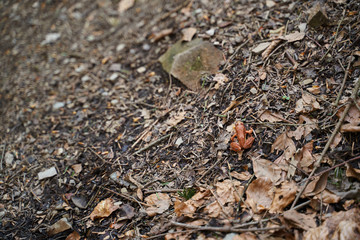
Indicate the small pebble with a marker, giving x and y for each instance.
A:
(9, 159)
(120, 47)
(47, 173)
(210, 32)
(141, 70)
(58, 105)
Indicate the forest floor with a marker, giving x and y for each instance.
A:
(97, 141)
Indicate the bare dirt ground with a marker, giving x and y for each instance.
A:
(131, 153)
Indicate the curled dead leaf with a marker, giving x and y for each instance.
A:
(316, 186)
(103, 209)
(352, 172)
(307, 103)
(243, 176)
(339, 225)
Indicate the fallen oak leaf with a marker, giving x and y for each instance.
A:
(159, 203)
(271, 117)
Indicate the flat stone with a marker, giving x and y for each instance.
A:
(189, 61)
(79, 201)
(47, 173)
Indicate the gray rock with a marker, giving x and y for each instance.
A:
(47, 173)
(9, 159)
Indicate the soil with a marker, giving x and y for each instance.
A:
(97, 98)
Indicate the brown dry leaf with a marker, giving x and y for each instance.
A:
(159, 35)
(220, 80)
(304, 157)
(188, 33)
(314, 90)
(349, 127)
(270, 48)
(258, 195)
(125, 5)
(304, 130)
(245, 236)
(293, 37)
(77, 168)
(307, 103)
(316, 186)
(343, 225)
(103, 209)
(271, 117)
(139, 194)
(213, 210)
(174, 119)
(261, 47)
(184, 208)
(243, 176)
(284, 195)
(181, 235)
(60, 226)
(267, 169)
(336, 141)
(327, 197)
(228, 191)
(353, 115)
(160, 202)
(299, 220)
(352, 172)
(189, 207)
(285, 143)
(73, 236)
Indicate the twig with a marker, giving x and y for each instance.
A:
(337, 32)
(163, 234)
(292, 60)
(343, 82)
(272, 53)
(130, 198)
(166, 15)
(152, 144)
(144, 133)
(220, 203)
(233, 55)
(223, 229)
(92, 150)
(335, 166)
(207, 171)
(336, 130)
(162, 191)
